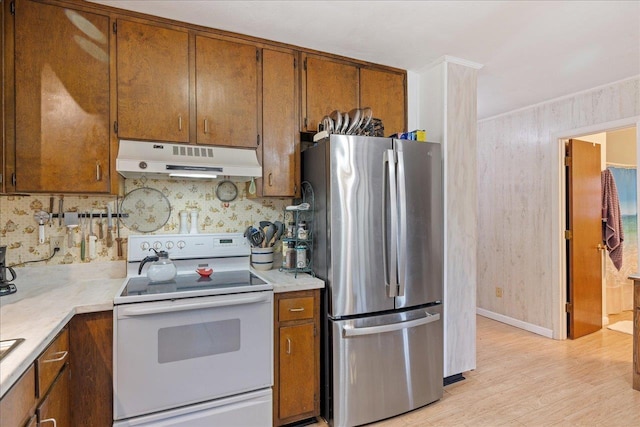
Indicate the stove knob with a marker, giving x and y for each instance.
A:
(144, 246)
(157, 245)
(169, 244)
(181, 244)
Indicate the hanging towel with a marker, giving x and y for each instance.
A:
(612, 233)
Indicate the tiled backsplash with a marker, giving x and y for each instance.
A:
(19, 229)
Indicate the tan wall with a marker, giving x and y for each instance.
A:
(622, 147)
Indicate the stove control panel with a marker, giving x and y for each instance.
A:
(188, 246)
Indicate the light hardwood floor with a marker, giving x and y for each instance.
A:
(523, 379)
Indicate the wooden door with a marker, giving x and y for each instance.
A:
(297, 373)
(62, 99)
(226, 93)
(57, 405)
(385, 93)
(585, 224)
(329, 85)
(153, 82)
(281, 146)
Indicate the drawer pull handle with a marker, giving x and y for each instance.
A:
(49, 420)
(62, 356)
(296, 309)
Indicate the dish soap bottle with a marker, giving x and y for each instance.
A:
(162, 268)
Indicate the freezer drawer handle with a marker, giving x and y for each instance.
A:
(141, 311)
(350, 331)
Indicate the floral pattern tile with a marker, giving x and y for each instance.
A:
(19, 229)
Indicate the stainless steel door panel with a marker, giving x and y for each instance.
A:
(357, 276)
(421, 223)
(386, 365)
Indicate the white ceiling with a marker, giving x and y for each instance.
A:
(531, 51)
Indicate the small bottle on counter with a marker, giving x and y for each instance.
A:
(291, 230)
(301, 256)
(289, 255)
(303, 231)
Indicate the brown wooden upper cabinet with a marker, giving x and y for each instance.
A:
(281, 148)
(62, 125)
(153, 82)
(385, 93)
(329, 85)
(226, 92)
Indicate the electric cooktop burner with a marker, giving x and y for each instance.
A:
(222, 282)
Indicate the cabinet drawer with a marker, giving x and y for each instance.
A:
(51, 361)
(295, 309)
(18, 404)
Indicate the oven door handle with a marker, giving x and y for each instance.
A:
(218, 302)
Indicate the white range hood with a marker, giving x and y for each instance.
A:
(163, 160)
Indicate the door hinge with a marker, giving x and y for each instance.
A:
(115, 28)
(305, 64)
(568, 307)
(258, 55)
(14, 180)
(12, 7)
(567, 161)
(115, 127)
(315, 397)
(314, 330)
(306, 122)
(258, 139)
(568, 235)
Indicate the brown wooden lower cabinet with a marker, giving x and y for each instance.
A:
(55, 409)
(296, 356)
(91, 338)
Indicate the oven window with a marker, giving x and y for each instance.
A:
(198, 340)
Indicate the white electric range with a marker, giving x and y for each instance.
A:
(193, 351)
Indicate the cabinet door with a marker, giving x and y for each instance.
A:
(62, 99)
(297, 370)
(56, 405)
(226, 93)
(153, 82)
(384, 92)
(330, 85)
(281, 147)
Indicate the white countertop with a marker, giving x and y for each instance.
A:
(49, 296)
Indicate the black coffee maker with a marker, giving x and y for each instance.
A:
(7, 274)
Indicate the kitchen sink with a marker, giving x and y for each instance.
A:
(7, 345)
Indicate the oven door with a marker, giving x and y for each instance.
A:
(185, 351)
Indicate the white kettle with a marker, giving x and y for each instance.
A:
(162, 268)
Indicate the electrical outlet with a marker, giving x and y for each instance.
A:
(499, 292)
(56, 242)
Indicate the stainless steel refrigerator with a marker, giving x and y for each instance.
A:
(378, 245)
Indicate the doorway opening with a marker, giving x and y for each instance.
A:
(619, 147)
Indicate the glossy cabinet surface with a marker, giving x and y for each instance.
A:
(329, 85)
(385, 93)
(296, 356)
(61, 100)
(226, 92)
(281, 145)
(153, 82)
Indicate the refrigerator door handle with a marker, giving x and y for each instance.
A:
(401, 223)
(350, 331)
(391, 258)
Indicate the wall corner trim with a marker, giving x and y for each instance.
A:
(545, 332)
(454, 60)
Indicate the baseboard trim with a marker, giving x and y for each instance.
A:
(515, 322)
